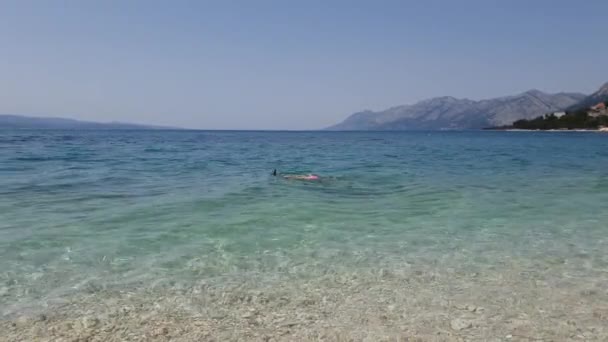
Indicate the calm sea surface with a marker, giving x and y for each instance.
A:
(81, 211)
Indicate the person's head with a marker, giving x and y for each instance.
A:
(274, 172)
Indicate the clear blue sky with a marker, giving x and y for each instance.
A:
(286, 64)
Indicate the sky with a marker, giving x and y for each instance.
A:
(286, 64)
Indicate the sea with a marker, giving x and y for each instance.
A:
(85, 212)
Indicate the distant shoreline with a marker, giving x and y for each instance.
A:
(510, 129)
(10, 121)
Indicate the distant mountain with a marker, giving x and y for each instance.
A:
(451, 113)
(27, 122)
(599, 96)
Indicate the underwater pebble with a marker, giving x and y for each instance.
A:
(89, 322)
(460, 324)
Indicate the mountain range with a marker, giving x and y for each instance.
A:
(28, 122)
(452, 113)
(599, 96)
(433, 114)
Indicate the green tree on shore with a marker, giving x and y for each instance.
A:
(579, 119)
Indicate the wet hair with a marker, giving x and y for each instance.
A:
(274, 172)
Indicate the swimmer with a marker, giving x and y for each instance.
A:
(308, 177)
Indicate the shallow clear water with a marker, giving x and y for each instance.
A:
(99, 209)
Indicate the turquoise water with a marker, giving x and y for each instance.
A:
(82, 211)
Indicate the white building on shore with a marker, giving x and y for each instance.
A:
(559, 114)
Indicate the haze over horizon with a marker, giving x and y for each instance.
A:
(278, 65)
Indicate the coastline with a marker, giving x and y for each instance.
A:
(387, 303)
(600, 130)
(557, 130)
